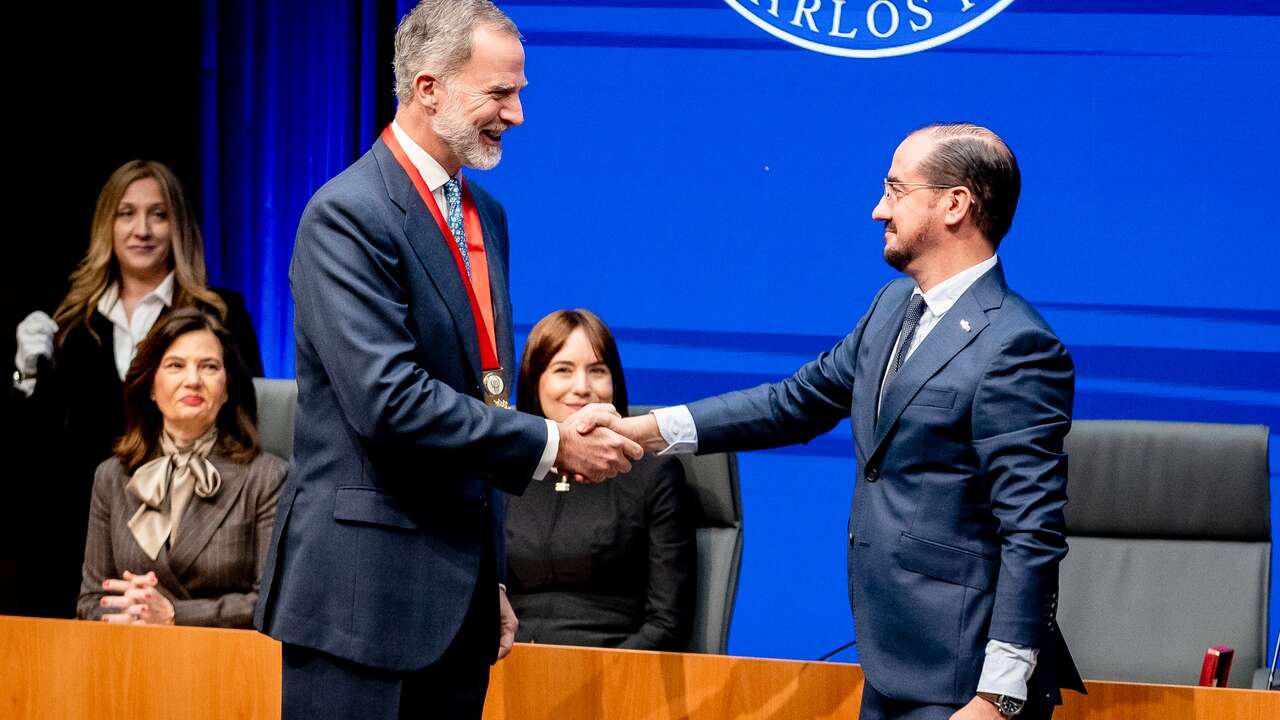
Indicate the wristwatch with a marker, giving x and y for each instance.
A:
(1005, 705)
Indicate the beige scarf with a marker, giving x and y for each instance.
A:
(180, 471)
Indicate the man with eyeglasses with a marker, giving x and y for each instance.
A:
(960, 396)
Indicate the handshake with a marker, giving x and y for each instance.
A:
(596, 443)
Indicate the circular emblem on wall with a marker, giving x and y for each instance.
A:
(868, 28)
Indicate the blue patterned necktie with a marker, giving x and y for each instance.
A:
(910, 321)
(453, 201)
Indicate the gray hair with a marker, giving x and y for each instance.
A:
(976, 158)
(435, 37)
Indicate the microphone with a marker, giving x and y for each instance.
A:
(853, 642)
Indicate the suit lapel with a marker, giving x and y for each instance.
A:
(878, 338)
(947, 338)
(204, 516)
(435, 257)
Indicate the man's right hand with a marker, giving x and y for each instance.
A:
(591, 452)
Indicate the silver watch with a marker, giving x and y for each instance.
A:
(1005, 705)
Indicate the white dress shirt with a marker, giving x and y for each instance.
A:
(128, 331)
(435, 176)
(1007, 667)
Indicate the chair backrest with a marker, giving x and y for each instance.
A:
(713, 484)
(277, 403)
(1170, 534)
(713, 480)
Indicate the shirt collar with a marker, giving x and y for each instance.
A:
(162, 292)
(942, 296)
(432, 172)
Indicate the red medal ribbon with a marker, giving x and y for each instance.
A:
(478, 291)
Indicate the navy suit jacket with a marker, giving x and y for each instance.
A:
(957, 529)
(388, 507)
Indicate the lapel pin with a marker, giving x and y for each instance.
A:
(964, 325)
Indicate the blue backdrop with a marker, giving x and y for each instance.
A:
(707, 189)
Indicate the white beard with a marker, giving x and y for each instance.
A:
(464, 138)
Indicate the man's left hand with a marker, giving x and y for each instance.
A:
(507, 624)
(977, 709)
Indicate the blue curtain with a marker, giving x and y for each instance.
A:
(293, 92)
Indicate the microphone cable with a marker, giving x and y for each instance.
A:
(843, 647)
(1275, 655)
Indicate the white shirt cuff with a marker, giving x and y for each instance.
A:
(1007, 669)
(678, 430)
(549, 452)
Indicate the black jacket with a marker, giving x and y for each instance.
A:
(608, 565)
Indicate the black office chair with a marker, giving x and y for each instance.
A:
(1169, 526)
(713, 480)
(277, 403)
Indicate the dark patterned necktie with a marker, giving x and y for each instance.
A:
(909, 324)
(453, 202)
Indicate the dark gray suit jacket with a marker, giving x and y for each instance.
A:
(211, 573)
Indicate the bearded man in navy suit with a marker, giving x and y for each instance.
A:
(960, 396)
(384, 580)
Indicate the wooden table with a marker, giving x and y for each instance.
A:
(74, 670)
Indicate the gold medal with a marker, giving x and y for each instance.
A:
(495, 389)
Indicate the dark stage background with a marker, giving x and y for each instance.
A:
(92, 88)
(88, 88)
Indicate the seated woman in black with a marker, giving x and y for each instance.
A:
(608, 565)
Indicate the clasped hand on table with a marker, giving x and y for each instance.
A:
(136, 601)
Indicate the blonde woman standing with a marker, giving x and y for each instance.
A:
(145, 258)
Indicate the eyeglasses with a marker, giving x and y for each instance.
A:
(893, 191)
